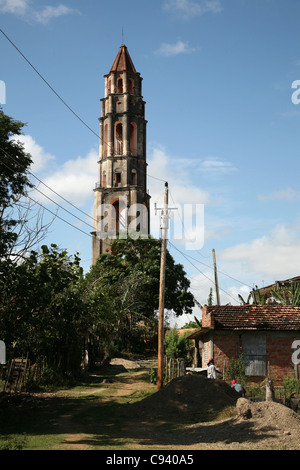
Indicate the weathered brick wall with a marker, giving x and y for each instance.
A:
(278, 359)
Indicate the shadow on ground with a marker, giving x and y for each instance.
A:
(108, 424)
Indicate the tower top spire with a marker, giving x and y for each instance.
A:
(123, 62)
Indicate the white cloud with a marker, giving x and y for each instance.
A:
(190, 8)
(26, 9)
(190, 200)
(169, 50)
(18, 7)
(292, 113)
(288, 194)
(74, 180)
(215, 165)
(50, 12)
(39, 156)
(274, 256)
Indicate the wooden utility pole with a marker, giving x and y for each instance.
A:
(216, 277)
(164, 229)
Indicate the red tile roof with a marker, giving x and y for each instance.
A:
(123, 62)
(258, 317)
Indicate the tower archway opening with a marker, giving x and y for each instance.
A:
(133, 139)
(120, 85)
(119, 139)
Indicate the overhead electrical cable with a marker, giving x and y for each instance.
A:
(73, 205)
(186, 257)
(56, 215)
(60, 98)
(204, 264)
(48, 84)
(53, 213)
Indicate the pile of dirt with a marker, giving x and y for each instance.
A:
(188, 395)
(126, 363)
(269, 413)
(243, 425)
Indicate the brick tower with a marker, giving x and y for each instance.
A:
(121, 207)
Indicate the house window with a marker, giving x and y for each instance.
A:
(254, 353)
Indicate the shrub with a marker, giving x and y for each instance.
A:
(175, 346)
(236, 370)
(290, 385)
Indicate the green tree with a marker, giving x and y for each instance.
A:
(289, 295)
(143, 256)
(176, 346)
(14, 181)
(45, 314)
(122, 290)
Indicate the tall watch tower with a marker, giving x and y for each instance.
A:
(121, 207)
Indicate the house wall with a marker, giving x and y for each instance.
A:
(226, 345)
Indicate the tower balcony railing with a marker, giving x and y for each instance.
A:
(118, 152)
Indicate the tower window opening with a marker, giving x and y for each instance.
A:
(105, 143)
(131, 86)
(104, 179)
(117, 176)
(133, 139)
(120, 85)
(109, 87)
(118, 219)
(133, 178)
(119, 139)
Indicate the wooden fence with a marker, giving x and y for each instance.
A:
(173, 368)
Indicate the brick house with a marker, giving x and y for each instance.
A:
(264, 334)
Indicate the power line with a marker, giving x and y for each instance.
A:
(61, 99)
(48, 84)
(63, 208)
(204, 264)
(73, 205)
(53, 213)
(227, 293)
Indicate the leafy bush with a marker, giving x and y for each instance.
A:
(236, 370)
(12, 442)
(175, 346)
(290, 385)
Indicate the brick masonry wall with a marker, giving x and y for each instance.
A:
(279, 354)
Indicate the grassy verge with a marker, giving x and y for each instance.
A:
(86, 415)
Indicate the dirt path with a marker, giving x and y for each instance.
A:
(75, 435)
(113, 420)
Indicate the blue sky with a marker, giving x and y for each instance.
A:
(222, 127)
